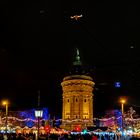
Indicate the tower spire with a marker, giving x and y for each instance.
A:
(77, 58)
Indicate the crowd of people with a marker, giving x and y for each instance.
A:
(49, 136)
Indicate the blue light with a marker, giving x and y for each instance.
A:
(117, 84)
(31, 114)
(28, 114)
(123, 133)
(45, 113)
(118, 115)
(84, 131)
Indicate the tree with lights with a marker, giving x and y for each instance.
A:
(131, 120)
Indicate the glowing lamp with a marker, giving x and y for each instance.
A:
(5, 103)
(122, 101)
(38, 113)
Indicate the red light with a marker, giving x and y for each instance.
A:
(78, 128)
(47, 128)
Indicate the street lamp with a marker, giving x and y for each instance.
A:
(38, 115)
(122, 104)
(6, 105)
(122, 101)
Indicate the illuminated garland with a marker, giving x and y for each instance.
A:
(28, 119)
(129, 119)
(107, 119)
(75, 120)
(104, 119)
(17, 119)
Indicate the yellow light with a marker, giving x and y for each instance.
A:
(122, 101)
(5, 103)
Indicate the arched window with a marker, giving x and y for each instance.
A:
(76, 100)
(85, 100)
(68, 100)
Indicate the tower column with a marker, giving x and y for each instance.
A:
(91, 108)
(71, 108)
(81, 106)
(91, 103)
(63, 108)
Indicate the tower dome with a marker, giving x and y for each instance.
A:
(77, 67)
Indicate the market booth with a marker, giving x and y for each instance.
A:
(18, 129)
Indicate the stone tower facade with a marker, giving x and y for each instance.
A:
(77, 108)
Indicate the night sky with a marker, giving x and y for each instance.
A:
(38, 45)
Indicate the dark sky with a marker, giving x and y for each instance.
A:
(37, 47)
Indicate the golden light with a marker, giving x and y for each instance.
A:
(122, 101)
(5, 103)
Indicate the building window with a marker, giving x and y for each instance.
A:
(76, 100)
(76, 117)
(85, 117)
(68, 100)
(85, 100)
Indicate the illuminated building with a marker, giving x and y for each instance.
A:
(77, 97)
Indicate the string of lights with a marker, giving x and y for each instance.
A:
(27, 119)
(104, 119)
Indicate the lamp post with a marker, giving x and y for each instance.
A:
(38, 115)
(122, 109)
(6, 114)
(122, 104)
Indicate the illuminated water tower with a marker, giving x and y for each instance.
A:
(77, 108)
